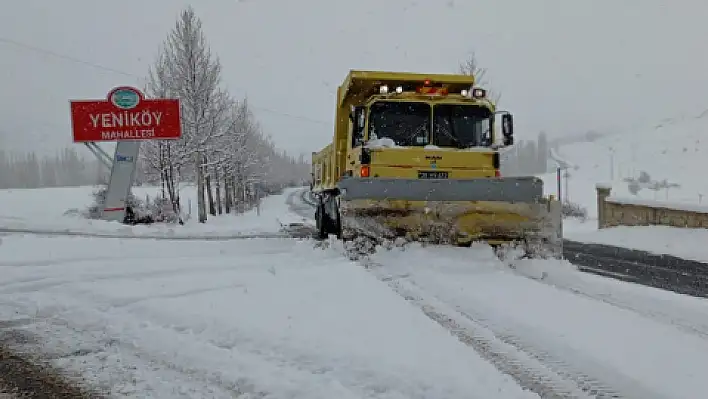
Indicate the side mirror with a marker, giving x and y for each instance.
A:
(508, 129)
(359, 121)
(360, 113)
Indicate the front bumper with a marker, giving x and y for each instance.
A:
(506, 189)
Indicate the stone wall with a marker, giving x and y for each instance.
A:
(629, 212)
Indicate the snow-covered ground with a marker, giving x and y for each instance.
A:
(674, 150)
(167, 319)
(288, 318)
(633, 340)
(196, 319)
(55, 210)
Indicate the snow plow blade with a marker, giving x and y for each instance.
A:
(498, 211)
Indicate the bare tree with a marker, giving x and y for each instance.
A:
(186, 69)
(223, 150)
(471, 67)
(241, 157)
(158, 157)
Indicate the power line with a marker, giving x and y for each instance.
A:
(65, 57)
(132, 75)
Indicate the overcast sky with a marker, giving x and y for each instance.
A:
(564, 66)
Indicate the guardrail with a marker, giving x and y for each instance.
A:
(660, 271)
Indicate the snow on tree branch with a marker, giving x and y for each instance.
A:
(222, 150)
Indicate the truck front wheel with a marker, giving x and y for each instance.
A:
(321, 221)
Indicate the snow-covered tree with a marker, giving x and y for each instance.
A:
(238, 158)
(222, 150)
(186, 69)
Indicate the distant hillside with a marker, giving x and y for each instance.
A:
(671, 153)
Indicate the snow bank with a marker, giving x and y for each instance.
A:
(680, 242)
(45, 210)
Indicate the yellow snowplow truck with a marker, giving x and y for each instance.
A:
(417, 155)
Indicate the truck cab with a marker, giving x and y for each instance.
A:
(425, 131)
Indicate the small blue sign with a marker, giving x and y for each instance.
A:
(123, 158)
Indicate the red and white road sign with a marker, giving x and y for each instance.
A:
(125, 115)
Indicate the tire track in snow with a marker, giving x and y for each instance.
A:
(532, 367)
(299, 204)
(549, 375)
(97, 342)
(524, 359)
(356, 383)
(99, 339)
(528, 372)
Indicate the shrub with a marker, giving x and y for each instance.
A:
(149, 210)
(573, 210)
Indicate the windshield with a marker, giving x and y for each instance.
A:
(462, 126)
(406, 123)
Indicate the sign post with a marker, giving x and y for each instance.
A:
(125, 163)
(125, 117)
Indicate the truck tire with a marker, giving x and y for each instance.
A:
(321, 222)
(337, 225)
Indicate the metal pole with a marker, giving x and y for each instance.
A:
(558, 178)
(100, 150)
(105, 159)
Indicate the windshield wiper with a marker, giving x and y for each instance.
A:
(415, 133)
(450, 133)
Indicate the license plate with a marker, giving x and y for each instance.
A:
(431, 174)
